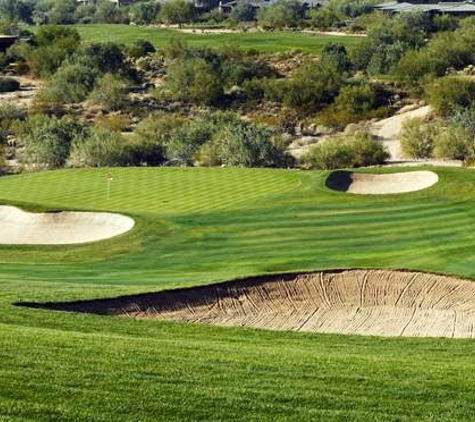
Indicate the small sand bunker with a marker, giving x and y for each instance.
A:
(373, 302)
(18, 227)
(378, 184)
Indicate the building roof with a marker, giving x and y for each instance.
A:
(442, 7)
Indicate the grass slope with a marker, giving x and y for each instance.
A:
(200, 225)
(269, 42)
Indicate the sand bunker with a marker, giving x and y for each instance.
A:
(373, 302)
(18, 227)
(378, 184)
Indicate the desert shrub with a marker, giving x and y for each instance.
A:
(151, 137)
(49, 100)
(313, 86)
(47, 140)
(140, 48)
(106, 57)
(113, 122)
(464, 116)
(453, 143)
(10, 114)
(388, 38)
(8, 84)
(360, 101)
(186, 140)
(51, 46)
(336, 55)
(193, 80)
(417, 138)
(101, 148)
(343, 152)
(245, 144)
(445, 51)
(70, 84)
(450, 92)
(110, 92)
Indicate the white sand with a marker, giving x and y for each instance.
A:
(373, 302)
(377, 184)
(18, 227)
(380, 184)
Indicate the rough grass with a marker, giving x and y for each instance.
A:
(200, 225)
(269, 42)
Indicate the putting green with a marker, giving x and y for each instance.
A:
(197, 226)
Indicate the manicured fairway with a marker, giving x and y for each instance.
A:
(197, 226)
(267, 42)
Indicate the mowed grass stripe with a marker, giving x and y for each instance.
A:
(197, 226)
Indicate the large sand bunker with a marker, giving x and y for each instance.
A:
(379, 184)
(18, 227)
(373, 302)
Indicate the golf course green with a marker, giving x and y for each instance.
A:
(197, 226)
(269, 42)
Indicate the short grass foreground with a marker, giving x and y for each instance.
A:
(197, 226)
(269, 42)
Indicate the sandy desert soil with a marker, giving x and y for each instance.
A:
(18, 227)
(379, 184)
(363, 302)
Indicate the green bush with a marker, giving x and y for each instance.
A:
(193, 80)
(151, 137)
(9, 84)
(359, 150)
(450, 92)
(47, 140)
(281, 14)
(417, 138)
(245, 144)
(110, 92)
(453, 143)
(52, 45)
(101, 148)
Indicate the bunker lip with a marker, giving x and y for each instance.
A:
(353, 302)
(18, 227)
(380, 184)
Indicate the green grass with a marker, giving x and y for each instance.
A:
(197, 226)
(269, 42)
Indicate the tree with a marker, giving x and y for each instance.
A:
(108, 12)
(58, 12)
(243, 12)
(282, 14)
(144, 13)
(176, 12)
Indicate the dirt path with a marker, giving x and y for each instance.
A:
(373, 302)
